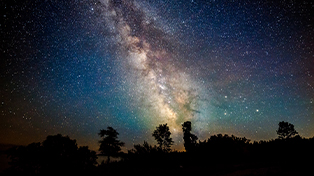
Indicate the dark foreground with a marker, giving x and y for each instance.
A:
(220, 155)
(249, 169)
(244, 169)
(182, 164)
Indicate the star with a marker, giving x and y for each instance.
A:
(78, 67)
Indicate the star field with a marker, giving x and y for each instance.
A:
(75, 67)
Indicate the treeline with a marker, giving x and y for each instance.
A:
(289, 153)
(60, 154)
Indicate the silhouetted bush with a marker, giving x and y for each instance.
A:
(26, 160)
(57, 154)
(144, 149)
(223, 148)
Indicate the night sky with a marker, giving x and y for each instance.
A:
(75, 67)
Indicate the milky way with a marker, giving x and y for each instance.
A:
(75, 67)
(162, 90)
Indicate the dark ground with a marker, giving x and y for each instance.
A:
(244, 169)
(4, 160)
(218, 156)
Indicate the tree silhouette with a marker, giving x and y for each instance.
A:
(109, 145)
(54, 155)
(189, 139)
(62, 153)
(144, 149)
(162, 136)
(286, 130)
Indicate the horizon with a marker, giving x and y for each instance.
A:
(5, 146)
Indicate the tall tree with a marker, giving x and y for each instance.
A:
(286, 130)
(162, 136)
(188, 137)
(109, 145)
